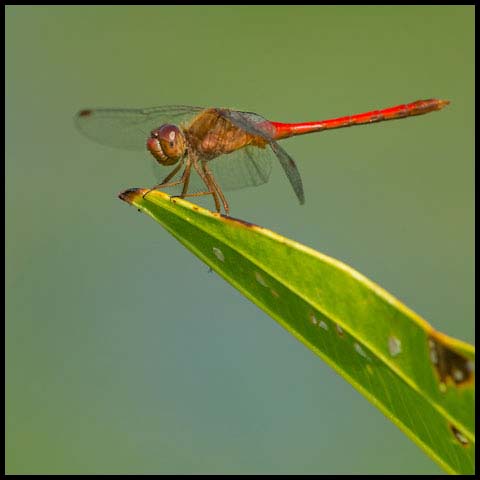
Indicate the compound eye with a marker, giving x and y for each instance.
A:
(172, 141)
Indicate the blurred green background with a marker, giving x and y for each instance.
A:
(124, 354)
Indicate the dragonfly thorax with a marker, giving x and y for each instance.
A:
(167, 144)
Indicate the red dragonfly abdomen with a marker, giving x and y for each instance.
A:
(420, 107)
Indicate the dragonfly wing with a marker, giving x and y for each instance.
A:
(248, 167)
(160, 172)
(129, 128)
(291, 170)
(250, 122)
(258, 125)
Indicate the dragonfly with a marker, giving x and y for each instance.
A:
(226, 149)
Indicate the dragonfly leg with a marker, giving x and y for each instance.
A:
(184, 193)
(217, 187)
(186, 182)
(207, 181)
(186, 174)
(171, 174)
(165, 182)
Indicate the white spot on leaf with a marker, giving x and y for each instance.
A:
(323, 325)
(433, 353)
(460, 437)
(394, 346)
(260, 279)
(457, 374)
(219, 254)
(359, 350)
(313, 319)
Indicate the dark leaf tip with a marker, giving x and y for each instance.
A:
(131, 194)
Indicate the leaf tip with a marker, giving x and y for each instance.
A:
(131, 194)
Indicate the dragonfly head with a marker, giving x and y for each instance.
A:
(167, 144)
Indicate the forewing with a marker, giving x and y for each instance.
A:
(130, 128)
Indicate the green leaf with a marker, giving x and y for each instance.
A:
(422, 380)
